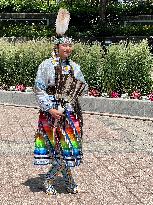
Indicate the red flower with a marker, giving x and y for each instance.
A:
(114, 94)
(150, 96)
(21, 88)
(136, 95)
(94, 92)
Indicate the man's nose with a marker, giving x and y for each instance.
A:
(68, 48)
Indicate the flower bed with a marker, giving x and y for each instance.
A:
(136, 94)
(122, 69)
(92, 92)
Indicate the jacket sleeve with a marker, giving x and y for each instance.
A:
(41, 83)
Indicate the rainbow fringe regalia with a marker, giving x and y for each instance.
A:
(59, 143)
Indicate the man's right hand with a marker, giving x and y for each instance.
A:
(56, 114)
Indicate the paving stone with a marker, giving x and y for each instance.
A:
(117, 166)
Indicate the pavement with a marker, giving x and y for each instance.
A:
(117, 168)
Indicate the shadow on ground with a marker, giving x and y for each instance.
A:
(37, 184)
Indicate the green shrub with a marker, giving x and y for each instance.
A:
(41, 30)
(121, 30)
(13, 6)
(123, 68)
(135, 30)
(19, 62)
(24, 30)
(84, 18)
(127, 68)
(90, 57)
(118, 10)
(87, 6)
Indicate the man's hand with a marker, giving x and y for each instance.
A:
(56, 114)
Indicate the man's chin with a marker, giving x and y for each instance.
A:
(66, 55)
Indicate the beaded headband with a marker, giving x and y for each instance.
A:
(63, 40)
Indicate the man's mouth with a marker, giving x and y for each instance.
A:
(67, 53)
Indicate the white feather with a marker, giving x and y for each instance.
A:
(62, 21)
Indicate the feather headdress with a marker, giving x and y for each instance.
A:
(62, 21)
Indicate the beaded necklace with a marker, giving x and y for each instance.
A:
(64, 64)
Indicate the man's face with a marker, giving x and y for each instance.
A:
(65, 50)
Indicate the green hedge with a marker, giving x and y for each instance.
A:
(127, 68)
(24, 30)
(19, 62)
(120, 30)
(118, 10)
(19, 6)
(40, 30)
(82, 13)
(77, 7)
(123, 68)
(135, 30)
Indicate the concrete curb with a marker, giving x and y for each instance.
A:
(118, 106)
(100, 105)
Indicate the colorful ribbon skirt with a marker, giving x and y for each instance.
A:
(58, 143)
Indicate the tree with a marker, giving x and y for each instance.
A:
(102, 10)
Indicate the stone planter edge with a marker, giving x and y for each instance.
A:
(114, 106)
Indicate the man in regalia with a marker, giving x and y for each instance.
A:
(58, 84)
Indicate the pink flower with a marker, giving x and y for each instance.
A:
(150, 96)
(136, 95)
(21, 88)
(94, 92)
(114, 94)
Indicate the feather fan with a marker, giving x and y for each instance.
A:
(62, 21)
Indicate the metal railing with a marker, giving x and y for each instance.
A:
(47, 17)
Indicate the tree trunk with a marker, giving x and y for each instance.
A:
(102, 10)
(69, 2)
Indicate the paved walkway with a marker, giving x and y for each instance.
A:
(117, 169)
